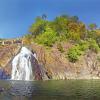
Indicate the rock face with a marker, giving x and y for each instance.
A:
(6, 55)
(58, 67)
(25, 66)
(4, 75)
(55, 64)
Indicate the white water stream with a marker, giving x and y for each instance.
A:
(22, 66)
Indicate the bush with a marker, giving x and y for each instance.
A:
(74, 36)
(93, 46)
(74, 54)
(62, 37)
(84, 45)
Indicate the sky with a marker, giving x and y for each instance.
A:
(16, 16)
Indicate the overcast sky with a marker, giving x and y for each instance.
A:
(17, 15)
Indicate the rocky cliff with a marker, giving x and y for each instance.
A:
(55, 64)
(6, 55)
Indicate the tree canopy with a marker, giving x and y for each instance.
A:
(65, 28)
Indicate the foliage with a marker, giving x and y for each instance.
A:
(92, 26)
(91, 34)
(74, 54)
(62, 37)
(60, 24)
(76, 30)
(65, 28)
(97, 36)
(93, 45)
(47, 38)
(84, 45)
(38, 27)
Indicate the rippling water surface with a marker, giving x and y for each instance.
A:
(50, 90)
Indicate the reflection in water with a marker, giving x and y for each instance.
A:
(50, 90)
(21, 88)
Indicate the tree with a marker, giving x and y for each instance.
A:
(44, 16)
(47, 38)
(38, 27)
(92, 26)
(74, 19)
(76, 30)
(60, 24)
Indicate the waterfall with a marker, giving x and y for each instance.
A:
(22, 65)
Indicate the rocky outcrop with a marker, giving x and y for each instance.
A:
(55, 63)
(6, 55)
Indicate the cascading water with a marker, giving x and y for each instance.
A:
(22, 65)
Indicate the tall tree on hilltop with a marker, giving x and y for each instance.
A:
(44, 16)
(92, 26)
(74, 19)
(38, 27)
(60, 24)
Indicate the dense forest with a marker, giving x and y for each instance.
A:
(67, 29)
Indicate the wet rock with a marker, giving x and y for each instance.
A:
(4, 75)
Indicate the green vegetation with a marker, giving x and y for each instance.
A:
(48, 38)
(93, 46)
(74, 53)
(65, 28)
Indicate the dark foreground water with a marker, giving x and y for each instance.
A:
(50, 90)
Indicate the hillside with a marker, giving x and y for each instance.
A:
(66, 48)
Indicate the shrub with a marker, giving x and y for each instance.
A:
(93, 46)
(84, 45)
(74, 54)
(62, 37)
(74, 36)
